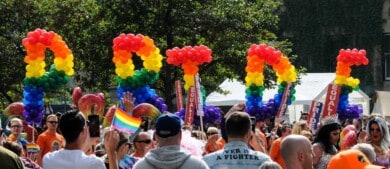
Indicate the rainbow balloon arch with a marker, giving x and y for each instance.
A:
(37, 80)
(258, 56)
(137, 82)
(190, 58)
(345, 60)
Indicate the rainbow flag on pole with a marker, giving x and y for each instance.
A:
(125, 122)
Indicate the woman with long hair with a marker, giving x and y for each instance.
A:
(378, 137)
(325, 143)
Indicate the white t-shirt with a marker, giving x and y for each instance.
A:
(71, 159)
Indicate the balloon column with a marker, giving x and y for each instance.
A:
(345, 60)
(138, 81)
(258, 56)
(37, 80)
(190, 58)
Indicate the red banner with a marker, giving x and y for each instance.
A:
(190, 108)
(283, 104)
(179, 95)
(332, 100)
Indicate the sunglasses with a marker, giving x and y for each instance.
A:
(53, 122)
(16, 126)
(144, 141)
(211, 134)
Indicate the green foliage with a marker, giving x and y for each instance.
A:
(228, 27)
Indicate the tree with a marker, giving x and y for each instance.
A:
(88, 26)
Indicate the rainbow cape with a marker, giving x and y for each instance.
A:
(123, 121)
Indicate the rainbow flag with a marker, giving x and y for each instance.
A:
(32, 148)
(125, 122)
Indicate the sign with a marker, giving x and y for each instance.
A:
(314, 115)
(332, 100)
(179, 95)
(199, 96)
(283, 104)
(190, 108)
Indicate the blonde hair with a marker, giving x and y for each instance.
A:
(298, 127)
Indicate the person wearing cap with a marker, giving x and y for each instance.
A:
(296, 152)
(351, 159)
(168, 154)
(236, 153)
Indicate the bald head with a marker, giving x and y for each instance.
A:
(296, 150)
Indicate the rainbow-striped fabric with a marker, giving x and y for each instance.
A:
(123, 121)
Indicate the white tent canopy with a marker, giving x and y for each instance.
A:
(382, 105)
(313, 87)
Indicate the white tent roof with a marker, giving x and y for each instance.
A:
(382, 105)
(313, 87)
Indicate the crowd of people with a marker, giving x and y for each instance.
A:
(237, 142)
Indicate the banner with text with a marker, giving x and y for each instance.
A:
(190, 108)
(331, 101)
(314, 115)
(199, 97)
(283, 103)
(179, 95)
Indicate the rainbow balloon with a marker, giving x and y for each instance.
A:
(146, 109)
(345, 60)
(37, 80)
(258, 56)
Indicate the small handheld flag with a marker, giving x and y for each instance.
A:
(125, 122)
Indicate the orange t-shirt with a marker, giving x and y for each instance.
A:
(209, 148)
(49, 142)
(275, 153)
(263, 140)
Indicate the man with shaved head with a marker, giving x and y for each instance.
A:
(297, 152)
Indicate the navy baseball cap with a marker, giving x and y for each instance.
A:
(168, 125)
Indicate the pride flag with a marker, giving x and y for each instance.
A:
(125, 122)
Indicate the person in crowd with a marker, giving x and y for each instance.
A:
(270, 165)
(74, 129)
(378, 137)
(325, 143)
(9, 159)
(16, 126)
(367, 150)
(168, 153)
(271, 137)
(297, 152)
(236, 153)
(261, 129)
(142, 144)
(49, 140)
(275, 153)
(351, 159)
(125, 161)
(300, 126)
(212, 138)
(304, 116)
(18, 149)
(358, 123)
(308, 134)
